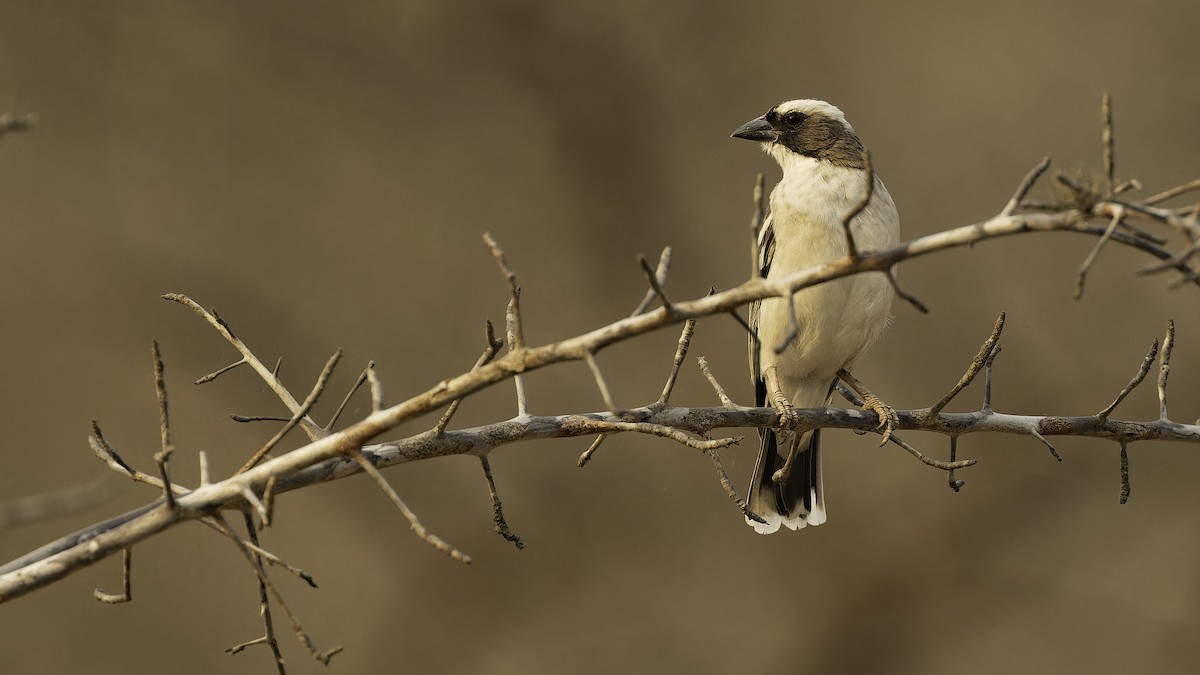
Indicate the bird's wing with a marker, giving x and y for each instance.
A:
(766, 254)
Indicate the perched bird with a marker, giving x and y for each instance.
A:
(823, 164)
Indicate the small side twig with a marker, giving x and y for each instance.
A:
(655, 284)
(1106, 137)
(590, 359)
(516, 337)
(498, 519)
(1118, 214)
(587, 454)
(977, 364)
(1164, 369)
(354, 388)
(794, 331)
(956, 484)
(658, 279)
(1124, 473)
(712, 379)
(376, 389)
(685, 340)
(868, 192)
(125, 595)
(1172, 193)
(756, 223)
(1147, 362)
(904, 295)
(220, 371)
(270, 377)
(986, 408)
(421, 531)
(489, 353)
(164, 425)
(1024, 187)
(727, 485)
(297, 416)
(1036, 434)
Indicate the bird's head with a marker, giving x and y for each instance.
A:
(806, 128)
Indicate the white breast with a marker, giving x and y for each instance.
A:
(838, 319)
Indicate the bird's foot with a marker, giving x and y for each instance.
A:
(888, 419)
(788, 417)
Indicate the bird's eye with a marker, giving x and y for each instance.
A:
(793, 119)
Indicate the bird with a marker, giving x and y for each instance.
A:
(823, 164)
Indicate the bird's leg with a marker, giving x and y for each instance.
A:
(787, 415)
(888, 419)
(787, 419)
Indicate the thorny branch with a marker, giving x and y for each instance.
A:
(334, 455)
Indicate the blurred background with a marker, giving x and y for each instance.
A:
(321, 173)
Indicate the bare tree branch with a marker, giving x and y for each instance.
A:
(329, 455)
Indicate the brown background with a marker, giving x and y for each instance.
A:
(322, 174)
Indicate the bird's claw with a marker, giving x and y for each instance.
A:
(788, 418)
(888, 419)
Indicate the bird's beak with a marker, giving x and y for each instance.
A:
(757, 130)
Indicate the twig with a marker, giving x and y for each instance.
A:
(590, 359)
(794, 331)
(712, 379)
(904, 295)
(489, 353)
(516, 340)
(867, 193)
(376, 389)
(270, 377)
(1106, 136)
(424, 534)
(987, 379)
(1165, 368)
(498, 520)
(265, 588)
(263, 553)
(1024, 187)
(268, 502)
(258, 418)
(655, 285)
(727, 485)
(126, 589)
(853, 397)
(164, 425)
(257, 504)
(1036, 434)
(1124, 473)
(742, 322)
(685, 339)
(220, 371)
(956, 484)
(357, 383)
(977, 364)
(202, 457)
(1118, 214)
(587, 454)
(1163, 196)
(658, 280)
(1147, 362)
(756, 223)
(299, 415)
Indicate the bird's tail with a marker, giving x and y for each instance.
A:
(798, 501)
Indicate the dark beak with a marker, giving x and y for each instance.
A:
(757, 130)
